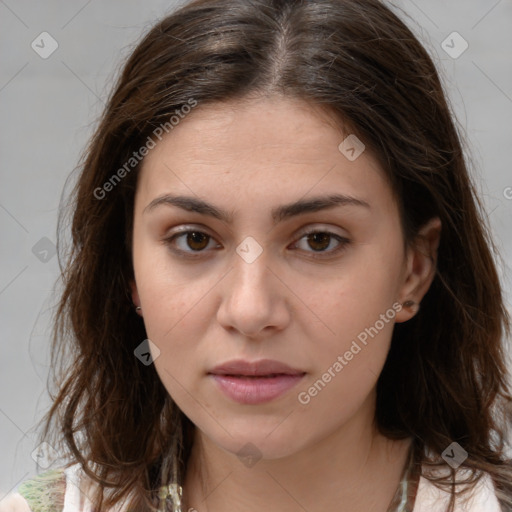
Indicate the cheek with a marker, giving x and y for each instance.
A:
(346, 366)
(352, 299)
(169, 293)
(173, 325)
(177, 313)
(357, 320)
(173, 316)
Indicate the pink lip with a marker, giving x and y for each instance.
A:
(255, 382)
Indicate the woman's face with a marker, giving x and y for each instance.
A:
(250, 284)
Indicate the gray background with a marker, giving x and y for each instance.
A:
(48, 108)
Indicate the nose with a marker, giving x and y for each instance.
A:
(254, 299)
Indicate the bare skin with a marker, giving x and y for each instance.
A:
(295, 303)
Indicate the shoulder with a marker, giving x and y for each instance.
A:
(14, 502)
(65, 489)
(56, 490)
(481, 498)
(40, 493)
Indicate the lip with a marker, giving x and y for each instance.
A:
(255, 382)
(263, 367)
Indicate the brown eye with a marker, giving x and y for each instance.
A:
(191, 243)
(319, 241)
(196, 240)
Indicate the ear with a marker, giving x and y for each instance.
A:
(135, 293)
(420, 268)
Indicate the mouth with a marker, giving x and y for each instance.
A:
(255, 382)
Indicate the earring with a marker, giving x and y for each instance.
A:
(411, 304)
(138, 309)
(173, 491)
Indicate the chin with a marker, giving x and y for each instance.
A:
(252, 440)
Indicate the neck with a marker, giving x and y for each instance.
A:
(353, 469)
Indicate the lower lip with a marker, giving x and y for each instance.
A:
(256, 390)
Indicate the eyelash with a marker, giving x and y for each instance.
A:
(344, 242)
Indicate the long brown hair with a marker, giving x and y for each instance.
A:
(445, 378)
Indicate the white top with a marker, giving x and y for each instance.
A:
(429, 498)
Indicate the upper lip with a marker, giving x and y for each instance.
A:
(261, 367)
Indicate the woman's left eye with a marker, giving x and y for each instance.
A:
(320, 241)
(195, 241)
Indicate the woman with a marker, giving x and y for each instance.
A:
(281, 293)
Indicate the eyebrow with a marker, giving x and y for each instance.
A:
(280, 213)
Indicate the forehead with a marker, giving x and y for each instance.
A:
(269, 147)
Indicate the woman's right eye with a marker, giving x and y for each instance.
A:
(186, 243)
